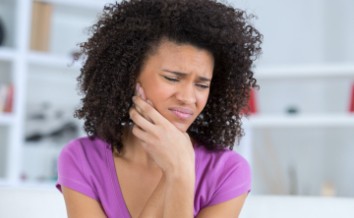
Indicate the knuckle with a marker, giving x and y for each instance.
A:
(135, 130)
(147, 109)
(133, 114)
(143, 107)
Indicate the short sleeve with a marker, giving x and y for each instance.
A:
(234, 180)
(72, 172)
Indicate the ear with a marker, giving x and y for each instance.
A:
(141, 91)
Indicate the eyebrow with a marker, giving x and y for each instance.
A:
(201, 78)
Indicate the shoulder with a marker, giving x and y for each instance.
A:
(86, 146)
(79, 163)
(85, 153)
(219, 159)
(221, 175)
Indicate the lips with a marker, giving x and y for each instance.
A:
(182, 113)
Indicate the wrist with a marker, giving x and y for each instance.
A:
(180, 167)
(179, 175)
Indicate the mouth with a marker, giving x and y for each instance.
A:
(182, 113)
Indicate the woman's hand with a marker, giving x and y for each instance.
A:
(169, 147)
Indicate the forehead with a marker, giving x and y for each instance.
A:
(182, 57)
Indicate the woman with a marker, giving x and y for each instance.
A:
(163, 83)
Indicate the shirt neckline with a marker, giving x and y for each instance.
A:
(115, 181)
(116, 184)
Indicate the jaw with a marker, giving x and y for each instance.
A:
(181, 126)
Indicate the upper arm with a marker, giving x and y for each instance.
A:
(79, 205)
(227, 209)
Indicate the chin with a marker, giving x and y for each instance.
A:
(181, 126)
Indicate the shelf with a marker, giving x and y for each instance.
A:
(262, 121)
(27, 185)
(41, 185)
(50, 60)
(88, 4)
(306, 71)
(7, 54)
(4, 182)
(6, 119)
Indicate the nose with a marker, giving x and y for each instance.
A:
(186, 94)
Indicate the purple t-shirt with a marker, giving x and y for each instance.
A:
(87, 166)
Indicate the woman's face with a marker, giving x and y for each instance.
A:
(176, 79)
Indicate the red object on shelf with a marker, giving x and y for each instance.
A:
(9, 99)
(351, 106)
(252, 104)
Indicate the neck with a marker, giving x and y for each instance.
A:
(133, 150)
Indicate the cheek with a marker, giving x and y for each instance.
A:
(151, 86)
(202, 100)
(157, 93)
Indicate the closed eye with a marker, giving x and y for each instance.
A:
(175, 80)
(170, 79)
(203, 86)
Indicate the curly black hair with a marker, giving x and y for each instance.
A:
(127, 32)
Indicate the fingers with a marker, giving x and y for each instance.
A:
(137, 114)
(148, 111)
(140, 133)
(140, 92)
(143, 127)
(139, 120)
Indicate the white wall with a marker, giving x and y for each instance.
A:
(302, 31)
(339, 30)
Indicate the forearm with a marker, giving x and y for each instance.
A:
(179, 196)
(173, 197)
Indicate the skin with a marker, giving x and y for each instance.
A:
(157, 149)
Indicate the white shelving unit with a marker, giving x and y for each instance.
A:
(7, 54)
(56, 61)
(306, 72)
(303, 121)
(86, 4)
(301, 135)
(6, 119)
(39, 78)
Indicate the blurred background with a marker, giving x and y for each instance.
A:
(299, 138)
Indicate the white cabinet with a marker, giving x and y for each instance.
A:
(45, 92)
(302, 136)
